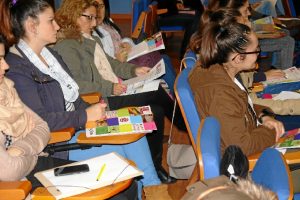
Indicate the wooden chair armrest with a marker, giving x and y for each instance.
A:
(115, 139)
(292, 157)
(61, 135)
(42, 193)
(14, 189)
(91, 98)
(139, 25)
(162, 11)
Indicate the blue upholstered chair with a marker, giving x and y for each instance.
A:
(137, 9)
(189, 59)
(207, 144)
(271, 171)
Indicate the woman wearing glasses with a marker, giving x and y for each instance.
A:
(225, 51)
(94, 71)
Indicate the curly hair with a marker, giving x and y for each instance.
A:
(67, 15)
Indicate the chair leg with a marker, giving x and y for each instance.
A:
(194, 177)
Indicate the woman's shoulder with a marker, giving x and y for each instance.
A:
(66, 43)
(17, 62)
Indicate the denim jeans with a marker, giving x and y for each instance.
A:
(137, 151)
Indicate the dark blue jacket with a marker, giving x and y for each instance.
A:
(42, 93)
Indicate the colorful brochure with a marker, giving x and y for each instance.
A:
(127, 120)
(291, 139)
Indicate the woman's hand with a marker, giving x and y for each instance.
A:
(274, 74)
(119, 88)
(126, 46)
(139, 71)
(96, 111)
(122, 55)
(272, 123)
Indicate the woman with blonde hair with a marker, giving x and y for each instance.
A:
(94, 71)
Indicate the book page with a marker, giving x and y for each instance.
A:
(136, 84)
(117, 169)
(291, 75)
(291, 139)
(151, 44)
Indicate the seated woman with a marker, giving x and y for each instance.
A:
(23, 133)
(95, 71)
(45, 85)
(282, 48)
(225, 51)
(286, 111)
(117, 47)
(24, 136)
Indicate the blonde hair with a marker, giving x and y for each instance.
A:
(244, 187)
(67, 15)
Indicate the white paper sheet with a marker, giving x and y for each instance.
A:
(117, 169)
(147, 82)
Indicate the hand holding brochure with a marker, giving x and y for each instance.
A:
(151, 44)
(292, 74)
(127, 120)
(147, 82)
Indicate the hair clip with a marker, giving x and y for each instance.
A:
(12, 3)
(230, 170)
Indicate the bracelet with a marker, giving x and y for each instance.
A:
(265, 112)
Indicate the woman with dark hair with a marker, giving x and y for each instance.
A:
(282, 48)
(117, 47)
(225, 51)
(44, 83)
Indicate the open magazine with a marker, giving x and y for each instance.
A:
(123, 121)
(153, 43)
(147, 82)
(291, 139)
(292, 74)
(265, 28)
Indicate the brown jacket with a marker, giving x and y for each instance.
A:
(217, 95)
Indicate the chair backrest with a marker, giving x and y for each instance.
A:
(209, 155)
(189, 59)
(289, 8)
(155, 12)
(271, 171)
(148, 29)
(137, 9)
(209, 149)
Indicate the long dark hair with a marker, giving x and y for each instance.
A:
(221, 16)
(107, 19)
(219, 41)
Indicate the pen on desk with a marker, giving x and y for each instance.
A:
(101, 172)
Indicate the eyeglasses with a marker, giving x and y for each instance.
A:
(89, 17)
(101, 6)
(250, 52)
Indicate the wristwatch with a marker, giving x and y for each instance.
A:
(265, 112)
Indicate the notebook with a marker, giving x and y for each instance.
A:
(117, 169)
